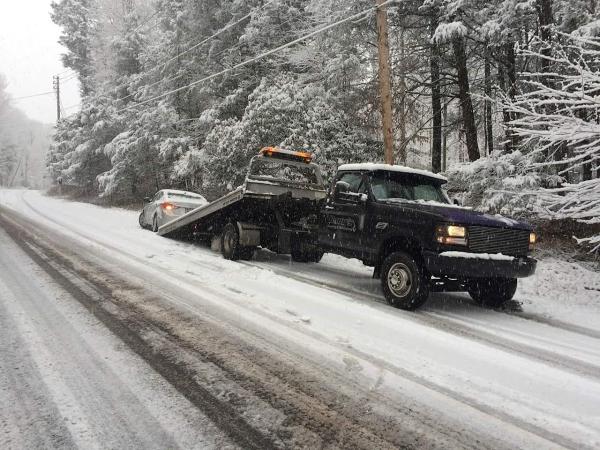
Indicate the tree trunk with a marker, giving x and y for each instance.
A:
(489, 129)
(505, 112)
(436, 102)
(544, 11)
(587, 171)
(510, 59)
(402, 106)
(445, 138)
(385, 88)
(464, 94)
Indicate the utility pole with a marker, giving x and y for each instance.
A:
(56, 85)
(385, 81)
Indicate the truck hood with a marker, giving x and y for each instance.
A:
(464, 216)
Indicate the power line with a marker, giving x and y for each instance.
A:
(72, 106)
(261, 56)
(64, 71)
(33, 95)
(218, 33)
(69, 77)
(146, 20)
(161, 65)
(195, 46)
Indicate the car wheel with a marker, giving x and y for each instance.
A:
(141, 220)
(230, 242)
(492, 292)
(404, 282)
(155, 223)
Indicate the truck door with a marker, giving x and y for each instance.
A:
(344, 213)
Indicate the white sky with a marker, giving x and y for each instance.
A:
(30, 56)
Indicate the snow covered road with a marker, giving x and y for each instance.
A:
(328, 357)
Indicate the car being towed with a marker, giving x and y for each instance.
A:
(167, 205)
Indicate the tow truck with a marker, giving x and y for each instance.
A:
(396, 219)
(277, 207)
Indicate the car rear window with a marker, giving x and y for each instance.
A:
(186, 197)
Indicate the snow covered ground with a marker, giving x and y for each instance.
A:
(529, 380)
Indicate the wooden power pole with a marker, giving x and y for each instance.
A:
(56, 84)
(385, 88)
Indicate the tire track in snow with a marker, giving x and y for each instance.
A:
(221, 413)
(444, 322)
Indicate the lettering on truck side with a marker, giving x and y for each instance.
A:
(341, 223)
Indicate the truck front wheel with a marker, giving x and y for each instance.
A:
(404, 283)
(492, 292)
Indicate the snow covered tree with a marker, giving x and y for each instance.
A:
(75, 18)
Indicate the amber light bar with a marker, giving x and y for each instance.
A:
(276, 152)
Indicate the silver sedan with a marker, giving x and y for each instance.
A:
(167, 205)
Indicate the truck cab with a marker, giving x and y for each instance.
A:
(400, 221)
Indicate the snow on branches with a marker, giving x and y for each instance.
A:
(557, 114)
(556, 121)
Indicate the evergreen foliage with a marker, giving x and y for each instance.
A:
(179, 93)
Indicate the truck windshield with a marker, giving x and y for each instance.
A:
(281, 170)
(402, 186)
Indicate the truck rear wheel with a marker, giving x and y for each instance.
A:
(493, 292)
(404, 282)
(230, 242)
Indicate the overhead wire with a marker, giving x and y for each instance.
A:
(195, 46)
(64, 71)
(163, 64)
(259, 57)
(33, 95)
(146, 20)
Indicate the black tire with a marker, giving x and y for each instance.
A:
(305, 253)
(230, 242)
(141, 221)
(492, 292)
(155, 223)
(404, 282)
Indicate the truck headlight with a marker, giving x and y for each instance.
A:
(451, 235)
(532, 240)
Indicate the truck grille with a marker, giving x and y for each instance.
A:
(498, 240)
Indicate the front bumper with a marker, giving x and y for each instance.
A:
(458, 267)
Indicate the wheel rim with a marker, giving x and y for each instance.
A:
(228, 241)
(400, 280)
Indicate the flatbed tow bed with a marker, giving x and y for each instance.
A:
(277, 207)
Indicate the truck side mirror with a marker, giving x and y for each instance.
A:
(341, 187)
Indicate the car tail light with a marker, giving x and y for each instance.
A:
(167, 206)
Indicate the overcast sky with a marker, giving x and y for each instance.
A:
(30, 56)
